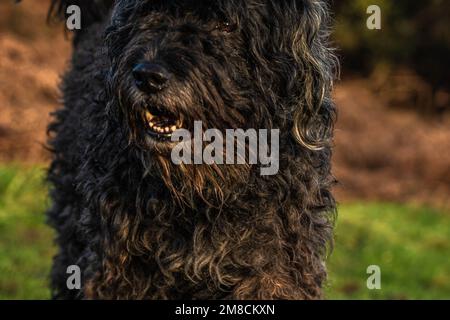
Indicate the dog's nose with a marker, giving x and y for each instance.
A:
(150, 77)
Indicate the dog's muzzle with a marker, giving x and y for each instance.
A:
(151, 79)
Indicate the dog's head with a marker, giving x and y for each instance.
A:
(249, 64)
(227, 63)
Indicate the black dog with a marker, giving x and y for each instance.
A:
(141, 227)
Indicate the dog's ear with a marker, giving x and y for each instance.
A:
(91, 10)
(317, 65)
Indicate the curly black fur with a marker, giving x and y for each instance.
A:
(141, 227)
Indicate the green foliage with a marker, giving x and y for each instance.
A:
(410, 244)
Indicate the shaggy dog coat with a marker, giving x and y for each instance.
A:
(141, 227)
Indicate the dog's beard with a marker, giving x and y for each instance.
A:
(189, 184)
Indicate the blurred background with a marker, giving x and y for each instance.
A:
(392, 148)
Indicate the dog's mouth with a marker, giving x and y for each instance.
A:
(161, 123)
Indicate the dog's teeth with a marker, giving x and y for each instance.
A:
(154, 124)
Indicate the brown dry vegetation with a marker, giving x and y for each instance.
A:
(32, 56)
(381, 153)
(388, 154)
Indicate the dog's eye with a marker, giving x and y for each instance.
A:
(226, 27)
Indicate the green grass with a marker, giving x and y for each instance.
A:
(25, 242)
(410, 244)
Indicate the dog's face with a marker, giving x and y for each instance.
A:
(177, 62)
(228, 63)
